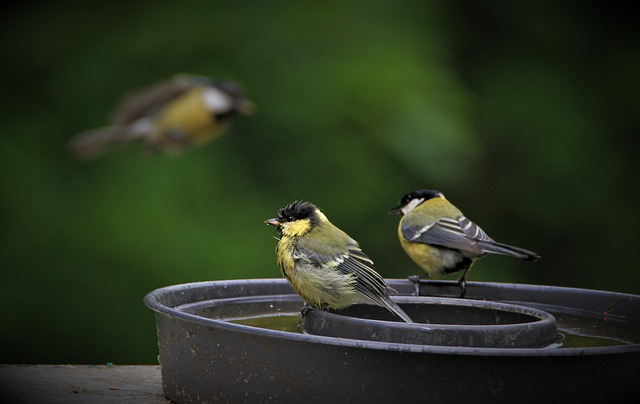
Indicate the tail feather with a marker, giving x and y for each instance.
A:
(395, 309)
(504, 249)
(91, 144)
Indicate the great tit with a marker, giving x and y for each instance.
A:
(441, 240)
(324, 265)
(171, 116)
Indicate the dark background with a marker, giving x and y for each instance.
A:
(525, 114)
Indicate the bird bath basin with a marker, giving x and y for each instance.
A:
(442, 322)
(245, 341)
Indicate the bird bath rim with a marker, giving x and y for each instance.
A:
(159, 301)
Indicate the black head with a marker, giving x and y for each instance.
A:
(229, 87)
(296, 210)
(424, 194)
(239, 103)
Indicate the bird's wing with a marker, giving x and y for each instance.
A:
(348, 259)
(149, 100)
(368, 280)
(319, 252)
(457, 234)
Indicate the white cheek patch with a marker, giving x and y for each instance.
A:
(411, 205)
(216, 100)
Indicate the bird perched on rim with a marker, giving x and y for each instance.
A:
(324, 265)
(441, 240)
(173, 115)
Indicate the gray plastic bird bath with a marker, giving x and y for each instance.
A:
(503, 342)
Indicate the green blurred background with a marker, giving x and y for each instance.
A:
(525, 114)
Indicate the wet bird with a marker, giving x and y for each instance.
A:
(173, 115)
(441, 240)
(324, 265)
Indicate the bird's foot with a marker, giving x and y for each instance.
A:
(416, 279)
(306, 309)
(463, 286)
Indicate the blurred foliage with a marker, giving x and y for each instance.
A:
(525, 114)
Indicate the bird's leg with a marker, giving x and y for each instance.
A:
(416, 279)
(463, 283)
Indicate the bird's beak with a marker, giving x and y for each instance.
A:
(246, 107)
(396, 210)
(273, 222)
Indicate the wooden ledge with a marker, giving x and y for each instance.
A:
(81, 384)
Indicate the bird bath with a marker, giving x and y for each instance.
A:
(245, 341)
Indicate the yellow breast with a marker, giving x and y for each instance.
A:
(189, 116)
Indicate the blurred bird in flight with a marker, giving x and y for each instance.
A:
(171, 116)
